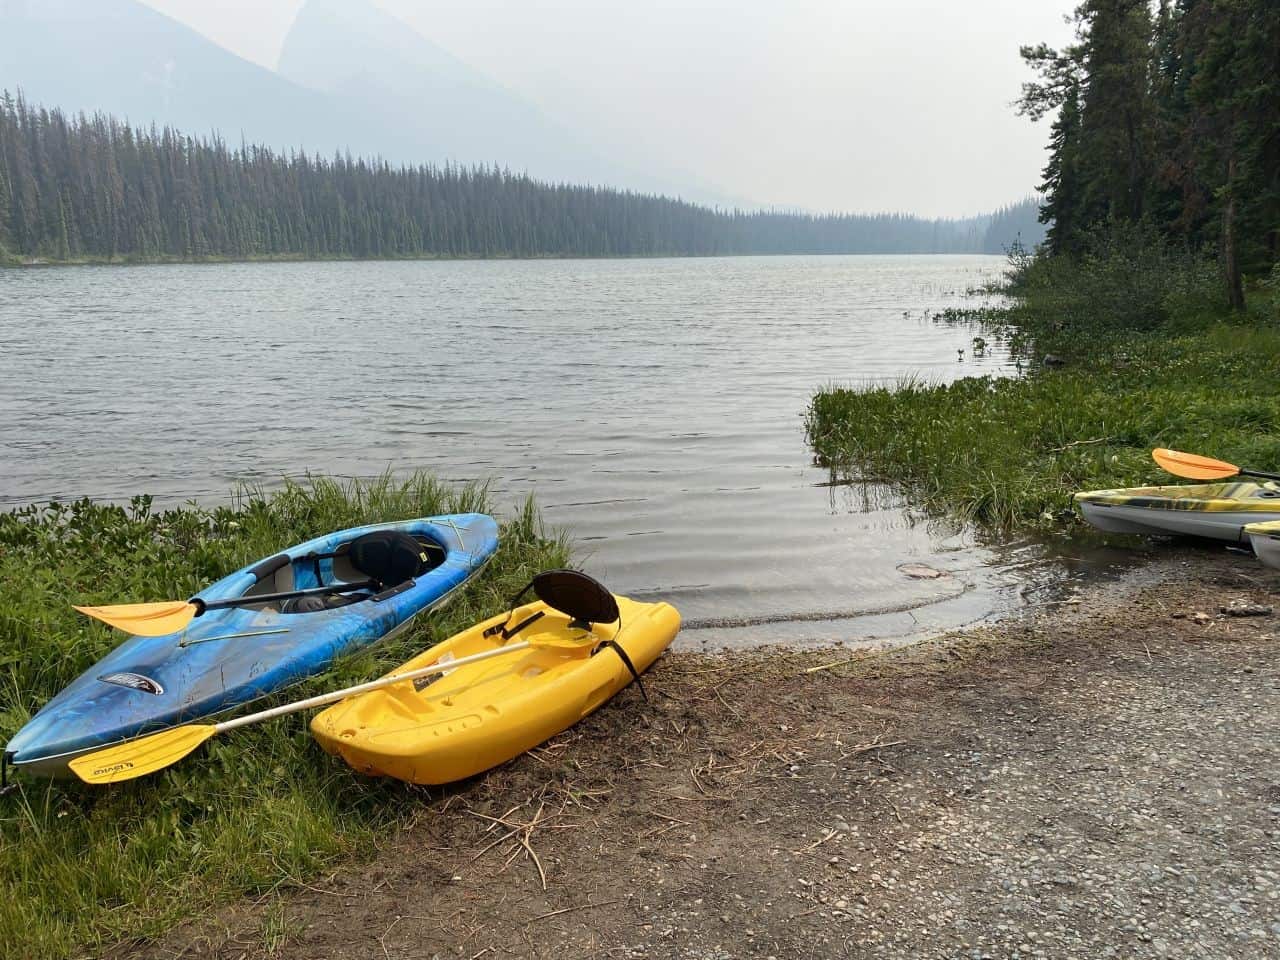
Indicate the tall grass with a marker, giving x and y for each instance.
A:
(1152, 358)
(83, 867)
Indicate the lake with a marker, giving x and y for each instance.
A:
(654, 407)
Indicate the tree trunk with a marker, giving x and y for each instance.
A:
(1230, 256)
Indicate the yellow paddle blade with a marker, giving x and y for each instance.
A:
(137, 758)
(1193, 466)
(144, 619)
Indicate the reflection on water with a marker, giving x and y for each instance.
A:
(653, 406)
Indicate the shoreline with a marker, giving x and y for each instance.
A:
(36, 263)
(1093, 778)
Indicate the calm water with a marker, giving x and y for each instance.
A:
(654, 406)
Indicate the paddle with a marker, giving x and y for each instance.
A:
(1195, 467)
(137, 758)
(169, 616)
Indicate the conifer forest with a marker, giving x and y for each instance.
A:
(1167, 117)
(92, 187)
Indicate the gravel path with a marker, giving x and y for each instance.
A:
(1100, 780)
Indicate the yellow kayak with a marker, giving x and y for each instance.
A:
(562, 667)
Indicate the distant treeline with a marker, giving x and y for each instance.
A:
(95, 188)
(1170, 119)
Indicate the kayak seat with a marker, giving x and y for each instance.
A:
(388, 556)
(384, 560)
(584, 600)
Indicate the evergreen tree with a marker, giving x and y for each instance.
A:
(1236, 95)
(1116, 109)
(1062, 211)
(1057, 88)
(1175, 122)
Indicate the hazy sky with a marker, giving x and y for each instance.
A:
(821, 104)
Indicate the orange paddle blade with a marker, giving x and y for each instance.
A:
(144, 619)
(1193, 466)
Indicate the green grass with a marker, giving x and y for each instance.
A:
(81, 868)
(1152, 359)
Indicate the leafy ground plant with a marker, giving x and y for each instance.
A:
(82, 867)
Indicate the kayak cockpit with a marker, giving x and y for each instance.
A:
(395, 557)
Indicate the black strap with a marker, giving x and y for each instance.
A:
(515, 601)
(617, 648)
(5, 786)
(342, 550)
(508, 634)
(532, 618)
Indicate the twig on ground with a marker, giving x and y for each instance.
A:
(857, 751)
(816, 843)
(582, 906)
(1079, 443)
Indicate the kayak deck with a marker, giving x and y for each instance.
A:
(483, 714)
(1238, 496)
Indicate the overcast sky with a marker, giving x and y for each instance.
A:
(821, 104)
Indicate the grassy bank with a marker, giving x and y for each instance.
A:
(1142, 352)
(256, 809)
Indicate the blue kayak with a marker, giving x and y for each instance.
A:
(230, 656)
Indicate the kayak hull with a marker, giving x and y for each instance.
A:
(1216, 511)
(483, 714)
(1265, 540)
(230, 657)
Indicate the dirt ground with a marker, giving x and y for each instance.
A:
(1099, 778)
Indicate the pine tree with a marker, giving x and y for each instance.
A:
(1062, 186)
(1236, 94)
(1116, 108)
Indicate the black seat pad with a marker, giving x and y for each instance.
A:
(577, 595)
(388, 556)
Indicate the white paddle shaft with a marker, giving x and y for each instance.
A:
(335, 695)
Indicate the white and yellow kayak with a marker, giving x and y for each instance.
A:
(1265, 540)
(1219, 511)
(481, 714)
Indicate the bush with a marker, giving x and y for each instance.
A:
(1127, 279)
